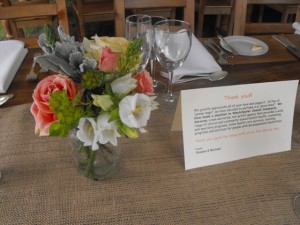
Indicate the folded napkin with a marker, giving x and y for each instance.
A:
(296, 26)
(12, 53)
(199, 61)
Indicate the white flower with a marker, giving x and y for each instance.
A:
(117, 44)
(154, 104)
(124, 84)
(135, 110)
(93, 48)
(87, 132)
(108, 131)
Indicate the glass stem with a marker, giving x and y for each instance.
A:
(170, 85)
(152, 68)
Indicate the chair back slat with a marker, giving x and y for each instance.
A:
(24, 13)
(242, 26)
(217, 8)
(89, 11)
(20, 11)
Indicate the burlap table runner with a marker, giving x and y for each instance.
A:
(40, 185)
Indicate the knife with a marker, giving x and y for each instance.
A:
(288, 44)
(234, 52)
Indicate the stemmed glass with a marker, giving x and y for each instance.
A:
(172, 43)
(139, 26)
(158, 86)
(297, 204)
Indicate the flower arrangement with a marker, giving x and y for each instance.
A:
(96, 90)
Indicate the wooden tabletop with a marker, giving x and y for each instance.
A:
(276, 65)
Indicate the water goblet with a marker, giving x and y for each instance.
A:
(158, 86)
(140, 26)
(172, 43)
(297, 204)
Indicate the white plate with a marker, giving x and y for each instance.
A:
(243, 45)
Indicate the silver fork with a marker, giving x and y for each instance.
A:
(221, 59)
(32, 75)
(222, 52)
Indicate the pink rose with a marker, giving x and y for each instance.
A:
(40, 110)
(144, 82)
(108, 61)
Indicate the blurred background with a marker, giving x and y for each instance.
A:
(107, 28)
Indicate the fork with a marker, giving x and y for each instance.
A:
(32, 76)
(221, 59)
(222, 52)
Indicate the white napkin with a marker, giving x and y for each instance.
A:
(296, 26)
(198, 62)
(12, 53)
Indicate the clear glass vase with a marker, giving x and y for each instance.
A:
(96, 165)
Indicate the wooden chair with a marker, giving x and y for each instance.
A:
(287, 11)
(164, 12)
(57, 10)
(219, 8)
(17, 25)
(121, 5)
(88, 11)
(242, 26)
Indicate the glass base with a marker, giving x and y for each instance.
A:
(166, 102)
(159, 87)
(297, 204)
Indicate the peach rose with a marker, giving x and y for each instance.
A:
(108, 61)
(144, 82)
(40, 110)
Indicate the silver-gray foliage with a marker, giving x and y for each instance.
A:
(66, 57)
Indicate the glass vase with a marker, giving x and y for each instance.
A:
(100, 164)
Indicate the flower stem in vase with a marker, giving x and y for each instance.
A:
(89, 171)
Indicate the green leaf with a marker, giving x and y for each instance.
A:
(51, 35)
(57, 129)
(67, 111)
(128, 131)
(130, 59)
(114, 114)
(108, 90)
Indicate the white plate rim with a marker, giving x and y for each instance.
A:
(232, 39)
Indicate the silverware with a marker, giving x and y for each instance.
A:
(221, 60)
(222, 52)
(210, 76)
(284, 41)
(234, 52)
(288, 44)
(5, 98)
(32, 76)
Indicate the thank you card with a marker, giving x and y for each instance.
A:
(229, 123)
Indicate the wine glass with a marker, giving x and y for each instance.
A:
(139, 26)
(158, 86)
(297, 204)
(172, 43)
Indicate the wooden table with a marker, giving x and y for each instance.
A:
(40, 185)
(278, 64)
